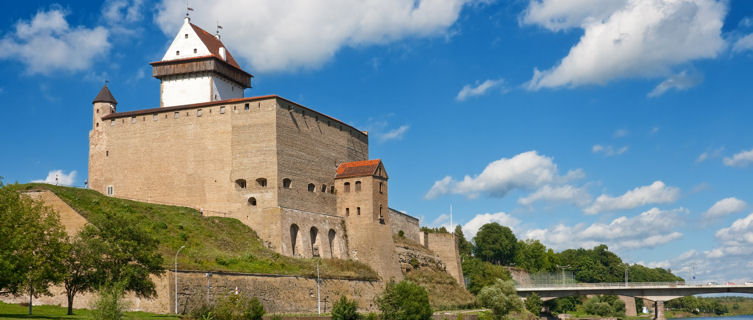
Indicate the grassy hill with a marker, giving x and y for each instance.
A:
(212, 243)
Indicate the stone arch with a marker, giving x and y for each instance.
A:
(358, 186)
(286, 183)
(334, 245)
(240, 184)
(311, 187)
(261, 182)
(295, 243)
(252, 201)
(315, 243)
(346, 187)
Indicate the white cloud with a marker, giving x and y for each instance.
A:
(627, 39)
(527, 170)
(655, 193)
(743, 44)
(564, 193)
(394, 134)
(620, 133)
(681, 81)
(741, 159)
(609, 151)
(650, 229)
(478, 89)
(59, 177)
(47, 44)
(122, 16)
(471, 227)
(724, 207)
(285, 35)
(715, 153)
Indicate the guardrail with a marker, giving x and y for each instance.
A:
(629, 285)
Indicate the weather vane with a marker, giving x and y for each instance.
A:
(188, 9)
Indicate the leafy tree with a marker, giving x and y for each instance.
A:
(345, 309)
(607, 305)
(81, 265)
(404, 301)
(464, 247)
(126, 253)
(481, 274)
(501, 298)
(563, 305)
(109, 304)
(31, 245)
(532, 256)
(533, 303)
(495, 243)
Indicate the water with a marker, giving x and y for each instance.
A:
(743, 317)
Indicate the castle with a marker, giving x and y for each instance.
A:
(301, 179)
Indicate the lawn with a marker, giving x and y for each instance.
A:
(212, 243)
(16, 311)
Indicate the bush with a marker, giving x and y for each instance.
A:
(345, 309)
(533, 303)
(501, 298)
(371, 316)
(608, 305)
(404, 301)
(109, 304)
(238, 307)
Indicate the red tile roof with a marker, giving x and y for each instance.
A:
(358, 168)
(214, 44)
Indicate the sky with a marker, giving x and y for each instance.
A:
(623, 122)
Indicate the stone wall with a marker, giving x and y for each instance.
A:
(307, 234)
(446, 247)
(402, 222)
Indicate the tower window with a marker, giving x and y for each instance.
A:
(133, 119)
(252, 201)
(246, 107)
(107, 153)
(186, 36)
(155, 117)
(198, 113)
(347, 187)
(311, 187)
(347, 212)
(358, 210)
(332, 190)
(324, 188)
(380, 186)
(240, 183)
(262, 182)
(358, 186)
(222, 109)
(177, 52)
(195, 51)
(177, 114)
(286, 183)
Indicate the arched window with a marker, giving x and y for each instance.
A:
(252, 201)
(240, 183)
(294, 239)
(334, 251)
(380, 186)
(347, 212)
(286, 183)
(381, 217)
(358, 186)
(332, 190)
(261, 182)
(311, 187)
(347, 187)
(324, 188)
(314, 232)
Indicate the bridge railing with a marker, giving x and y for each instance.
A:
(603, 285)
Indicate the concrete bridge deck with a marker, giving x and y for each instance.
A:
(659, 292)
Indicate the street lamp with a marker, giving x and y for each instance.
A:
(318, 297)
(176, 278)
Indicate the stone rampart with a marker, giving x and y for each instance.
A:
(446, 247)
(400, 221)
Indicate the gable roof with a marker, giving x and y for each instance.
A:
(104, 95)
(359, 169)
(214, 45)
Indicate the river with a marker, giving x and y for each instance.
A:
(743, 317)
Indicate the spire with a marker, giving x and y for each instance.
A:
(104, 95)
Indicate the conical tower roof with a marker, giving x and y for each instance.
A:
(104, 95)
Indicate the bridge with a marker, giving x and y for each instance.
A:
(659, 292)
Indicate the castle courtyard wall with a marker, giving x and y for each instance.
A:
(445, 245)
(408, 225)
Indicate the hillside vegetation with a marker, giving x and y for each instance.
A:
(212, 243)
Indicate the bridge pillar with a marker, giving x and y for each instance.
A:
(659, 310)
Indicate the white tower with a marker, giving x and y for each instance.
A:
(198, 68)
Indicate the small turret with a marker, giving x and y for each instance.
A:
(104, 104)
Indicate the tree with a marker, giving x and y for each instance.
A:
(80, 265)
(501, 298)
(481, 274)
(31, 245)
(532, 256)
(533, 303)
(495, 243)
(345, 309)
(404, 301)
(126, 253)
(464, 247)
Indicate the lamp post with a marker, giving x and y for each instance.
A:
(626, 274)
(318, 297)
(176, 279)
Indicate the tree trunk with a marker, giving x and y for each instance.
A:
(70, 303)
(31, 296)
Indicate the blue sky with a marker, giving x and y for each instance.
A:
(625, 122)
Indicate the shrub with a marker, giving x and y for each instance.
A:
(608, 305)
(404, 301)
(501, 298)
(533, 303)
(109, 304)
(345, 309)
(371, 316)
(237, 307)
(401, 234)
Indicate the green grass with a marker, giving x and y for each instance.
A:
(16, 311)
(212, 243)
(444, 291)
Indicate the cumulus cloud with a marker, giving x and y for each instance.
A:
(565, 193)
(478, 89)
(627, 38)
(59, 177)
(724, 207)
(471, 227)
(743, 44)
(527, 170)
(122, 16)
(394, 134)
(285, 35)
(609, 151)
(741, 159)
(681, 81)
(655, 193)
(650, 229)
(46, 43)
